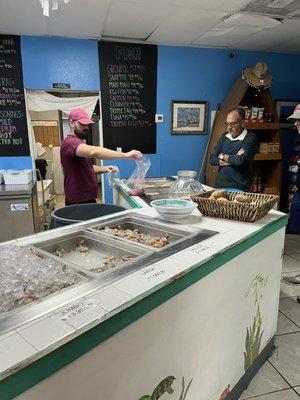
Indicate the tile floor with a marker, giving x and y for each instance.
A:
(279, 377)
(60, 199)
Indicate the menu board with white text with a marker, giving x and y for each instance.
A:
(13, 122)
(128, 74)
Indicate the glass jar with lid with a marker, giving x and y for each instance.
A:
(185, 186)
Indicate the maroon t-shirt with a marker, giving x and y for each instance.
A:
(80, 181)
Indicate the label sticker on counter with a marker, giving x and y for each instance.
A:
(74, 309)
(151, 273)
(200, 248)
(19, 207)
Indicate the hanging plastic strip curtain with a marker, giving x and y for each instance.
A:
(47, 3)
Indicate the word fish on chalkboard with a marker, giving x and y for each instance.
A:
(13, 122)
(128, 93)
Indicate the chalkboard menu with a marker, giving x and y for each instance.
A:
(128, 95)
(13, 123)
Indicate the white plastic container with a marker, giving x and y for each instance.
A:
(17, 176)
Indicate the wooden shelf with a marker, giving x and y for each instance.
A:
(266, 165)
(275, 191)
(267, 156)
(261, 126)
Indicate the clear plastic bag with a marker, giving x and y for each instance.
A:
(113, 178)
(136, 181)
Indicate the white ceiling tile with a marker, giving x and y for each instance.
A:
(161, 21)
(248, 37)
(271, 38)
(72, 19)
(134, 20)
(217, 5)
(244, 19)
(281, 8)
(184, 25)
(22, 17)
(227, 39)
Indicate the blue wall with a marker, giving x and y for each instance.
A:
(205, 74)
(186, 73)
(183, 73)
(48, 60)
(16, 162)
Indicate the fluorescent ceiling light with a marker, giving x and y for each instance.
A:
(45, 4)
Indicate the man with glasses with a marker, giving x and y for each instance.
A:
(234, 153)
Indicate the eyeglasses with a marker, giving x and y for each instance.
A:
(232, 123)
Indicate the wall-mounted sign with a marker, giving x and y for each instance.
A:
(13, 121)
(59, 85)
(128, 95)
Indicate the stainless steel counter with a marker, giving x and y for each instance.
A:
(181, 237)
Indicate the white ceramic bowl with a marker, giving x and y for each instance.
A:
(173, 209)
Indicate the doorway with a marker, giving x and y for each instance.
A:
(48, 125)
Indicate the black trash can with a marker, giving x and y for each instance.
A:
(82, 212)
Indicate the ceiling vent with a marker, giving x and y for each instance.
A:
(123, 38)
(257, 21)
(274, 8)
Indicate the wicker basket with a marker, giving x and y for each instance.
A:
(245, 212)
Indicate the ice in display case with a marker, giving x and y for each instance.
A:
(27, 275)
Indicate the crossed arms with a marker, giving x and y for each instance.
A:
(243, 155)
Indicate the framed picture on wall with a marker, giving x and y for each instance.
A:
(188, 117)
(284, 109)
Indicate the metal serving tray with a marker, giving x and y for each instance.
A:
(155, 193)
(158, 182)
(99, 250)
(148, 227)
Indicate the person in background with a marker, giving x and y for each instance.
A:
(294, 219)
(234, 153)
(80, 183)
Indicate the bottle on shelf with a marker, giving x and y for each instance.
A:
(254, 183)
(256, 186)
(259, 185)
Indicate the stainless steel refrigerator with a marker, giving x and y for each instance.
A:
(17, 210)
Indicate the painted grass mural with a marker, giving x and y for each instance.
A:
(254, 332)
(252, 348)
